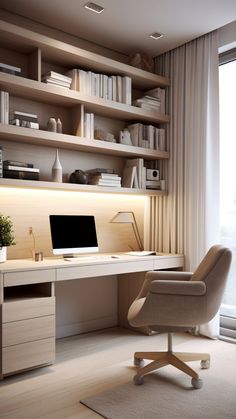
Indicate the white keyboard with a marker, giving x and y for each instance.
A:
(82, 258)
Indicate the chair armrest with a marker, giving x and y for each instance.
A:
(178, 287)
(169, 276)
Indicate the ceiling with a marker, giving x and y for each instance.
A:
(124, 25)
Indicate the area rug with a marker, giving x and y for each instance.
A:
(168, 393)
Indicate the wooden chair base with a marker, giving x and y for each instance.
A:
(177, 359)
(161, 359)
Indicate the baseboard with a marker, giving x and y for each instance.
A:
(84, 327)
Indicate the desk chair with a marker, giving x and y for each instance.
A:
(177, 302)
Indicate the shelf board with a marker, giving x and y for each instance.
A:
(33, 184)
(34, 90)
(74, 57)
(52, 139)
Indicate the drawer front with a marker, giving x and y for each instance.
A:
(23, 331)
(28, 355)
(28, 309)
(169, 262)
(90, 271)
(29, 277)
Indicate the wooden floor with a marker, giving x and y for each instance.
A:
(85, 365)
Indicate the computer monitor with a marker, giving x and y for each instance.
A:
(72, 234)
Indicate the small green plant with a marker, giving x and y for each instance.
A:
(6, 231)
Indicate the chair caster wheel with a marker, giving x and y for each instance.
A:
(138, 380)
(138, 362)
(197, 383)
(205, 364)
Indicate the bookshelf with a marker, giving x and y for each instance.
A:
(35, 54)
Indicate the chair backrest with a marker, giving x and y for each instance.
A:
(213, 270)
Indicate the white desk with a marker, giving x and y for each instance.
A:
(27, 300)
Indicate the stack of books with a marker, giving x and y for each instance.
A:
(19, 170)
(10, 69)
(149, 103)
(57, 79)
(24, 119)
(103, 177)
(154, 99)
(4, 107)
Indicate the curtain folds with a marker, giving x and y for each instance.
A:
(186, 221)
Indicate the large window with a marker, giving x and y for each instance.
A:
(227, 77)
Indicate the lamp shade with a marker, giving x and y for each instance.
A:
(128, 217)
(124, 217)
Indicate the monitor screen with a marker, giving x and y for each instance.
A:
(73, 234)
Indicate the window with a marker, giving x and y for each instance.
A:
(227, 79)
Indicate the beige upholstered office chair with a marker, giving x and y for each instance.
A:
(176, 302)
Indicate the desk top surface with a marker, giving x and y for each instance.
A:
(101, 259)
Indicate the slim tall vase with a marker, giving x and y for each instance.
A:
(57, 169)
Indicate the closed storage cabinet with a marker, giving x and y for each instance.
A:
(28, 327)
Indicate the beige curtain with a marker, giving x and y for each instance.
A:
(186, 221)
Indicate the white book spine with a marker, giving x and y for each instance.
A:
(87, 125)
(6, 112)
(126, 90)
(2, 107)
(92, 125)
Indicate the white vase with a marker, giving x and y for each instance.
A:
(57, 169)
(3, 254)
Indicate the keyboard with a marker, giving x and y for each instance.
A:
(84, 258)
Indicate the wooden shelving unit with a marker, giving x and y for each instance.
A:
(36, 49)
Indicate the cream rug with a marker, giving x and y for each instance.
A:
(168, 393)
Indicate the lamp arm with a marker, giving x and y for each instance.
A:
(137, 235)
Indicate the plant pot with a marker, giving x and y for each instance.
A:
(3, 254)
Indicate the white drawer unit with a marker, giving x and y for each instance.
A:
(28, 326)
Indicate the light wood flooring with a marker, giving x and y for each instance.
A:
(85, 365)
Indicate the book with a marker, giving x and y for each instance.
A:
(17, 163)
(25, 116)
(21, 168)
(126, 90)
(19, 174)
(57, 76)
(99, 170)
(138, 163)
(9, 68)
(4, 107)
(129, 177)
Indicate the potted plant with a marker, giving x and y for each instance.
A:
(6, 236)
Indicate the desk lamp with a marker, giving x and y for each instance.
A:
(128, 217)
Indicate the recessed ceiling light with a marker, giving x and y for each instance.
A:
(156, 35)
(94, 7)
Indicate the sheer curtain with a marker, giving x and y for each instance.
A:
(187, 220)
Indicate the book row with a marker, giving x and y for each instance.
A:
(147, 136)
(114, 87)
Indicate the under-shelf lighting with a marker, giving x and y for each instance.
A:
(94, 7)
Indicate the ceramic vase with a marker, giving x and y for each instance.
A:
(57, 169)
